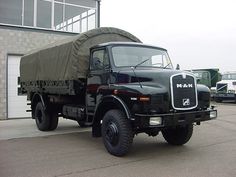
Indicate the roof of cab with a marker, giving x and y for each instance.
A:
(126, 44)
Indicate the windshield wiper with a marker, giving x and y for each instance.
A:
(134, 67)
(166, 65)
(141, 63)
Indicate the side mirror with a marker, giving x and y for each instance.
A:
(198, 80)
(177, 67)
(97, 63)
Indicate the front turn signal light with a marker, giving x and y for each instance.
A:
(115, 92)
(144, 98)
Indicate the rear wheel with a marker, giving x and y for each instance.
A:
(45, 120)
(178, 135)
(41, 117)
(117, 133)
(53, 120)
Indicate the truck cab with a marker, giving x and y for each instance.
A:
(138, 82)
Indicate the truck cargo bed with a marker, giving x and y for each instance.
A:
(68, 59)
(68, 87)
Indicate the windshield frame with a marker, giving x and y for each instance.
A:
(141, 46)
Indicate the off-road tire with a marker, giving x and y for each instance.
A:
(42, 118)
(120, 143)
(53, 116)
(45, 120)
(178, 135)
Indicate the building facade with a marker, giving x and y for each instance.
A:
(26, 25)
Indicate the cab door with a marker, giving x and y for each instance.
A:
(97, 77)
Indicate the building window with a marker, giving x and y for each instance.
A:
(91, 19)
(44, 12)
(86, 3)
(61, 15)
(73, 17)
(28, 13)
(11, 12)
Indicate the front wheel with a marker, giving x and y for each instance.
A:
(117, 133)
(178, 135)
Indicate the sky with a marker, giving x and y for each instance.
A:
(196, 33)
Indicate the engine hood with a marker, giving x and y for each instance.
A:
(147, 81)
(171, 88)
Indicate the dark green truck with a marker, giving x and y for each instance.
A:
(106, 78)
(208, 77)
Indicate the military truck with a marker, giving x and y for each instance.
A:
(208, 77)
(226, 88)
(108, 79)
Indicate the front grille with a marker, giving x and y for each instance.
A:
(183, 92)
(221, 88)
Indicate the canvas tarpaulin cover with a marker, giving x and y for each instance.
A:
(68, 59)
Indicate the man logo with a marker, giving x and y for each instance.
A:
(186, 102)
(184, 85)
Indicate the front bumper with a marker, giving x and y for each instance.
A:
(176, 119)
(225, 96)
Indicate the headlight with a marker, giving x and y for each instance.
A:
(155, 121)
(213, 114)
(231, 91)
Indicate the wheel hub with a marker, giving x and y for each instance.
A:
(112, 133)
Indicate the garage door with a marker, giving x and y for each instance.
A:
(17, 104)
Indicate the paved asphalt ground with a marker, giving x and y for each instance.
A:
(70, 151)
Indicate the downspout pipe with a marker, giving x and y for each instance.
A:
(98, 13)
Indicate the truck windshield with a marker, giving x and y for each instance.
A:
(139, 56)
(202, 74)
(229, 76)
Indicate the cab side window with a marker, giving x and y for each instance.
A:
(99, 60)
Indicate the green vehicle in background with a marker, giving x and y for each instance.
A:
(208, 77)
